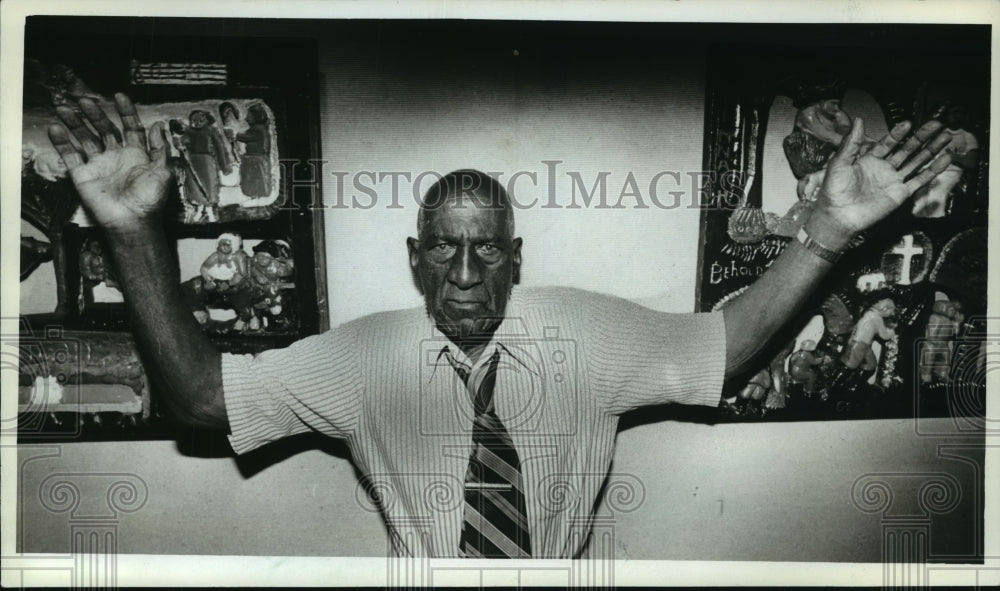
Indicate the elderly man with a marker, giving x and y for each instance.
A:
(485, 422)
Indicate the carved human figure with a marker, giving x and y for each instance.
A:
(858, 353)
(208, 157)
(757, 386)
(942, 328)
(225, 279)
(93, 267)
(255, 167)
(804, 366)
(226, 269)
(231, 125)
(819, 129)
(778, 393)
(177, 129)
(820, 126)
(270, 267)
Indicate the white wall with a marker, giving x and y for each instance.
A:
(775, 492)
(600, 120)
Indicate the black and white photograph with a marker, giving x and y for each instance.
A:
(378, 297)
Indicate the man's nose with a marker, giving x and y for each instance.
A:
(465, 269)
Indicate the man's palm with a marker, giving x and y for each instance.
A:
(861, 189)
(862, 193)
(122, 185)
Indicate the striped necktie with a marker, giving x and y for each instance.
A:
(496, 522)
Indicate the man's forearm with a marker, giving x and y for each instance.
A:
(184, 365)
(754, 317)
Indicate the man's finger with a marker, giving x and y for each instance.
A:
(923, 133)
(927, 174)
(158, 143)
(930, 150)
(67, 151)
(886, 144)
(850, 148)
(88, 141)
(110, 135)
(928, 130)
(135, 134)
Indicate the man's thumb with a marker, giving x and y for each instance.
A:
(158, 143)
(850, 148)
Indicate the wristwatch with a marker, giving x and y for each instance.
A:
(827, 254)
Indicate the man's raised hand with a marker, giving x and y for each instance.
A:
(862, 188)
(122, 184)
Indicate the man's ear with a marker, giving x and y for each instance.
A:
(517, 260)
(413, 246)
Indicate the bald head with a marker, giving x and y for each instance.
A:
(465, 188)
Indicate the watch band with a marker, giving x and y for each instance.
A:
(829, 255)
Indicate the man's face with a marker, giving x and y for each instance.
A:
(466, 263)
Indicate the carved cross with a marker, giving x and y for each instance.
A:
(908, 251)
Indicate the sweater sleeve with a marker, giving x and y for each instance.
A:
(638, 357)
(314, 384)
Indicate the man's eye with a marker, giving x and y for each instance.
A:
(442, 250)
(488, 250)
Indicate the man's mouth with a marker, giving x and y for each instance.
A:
(462, 304)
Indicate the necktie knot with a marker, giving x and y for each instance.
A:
(483, 397)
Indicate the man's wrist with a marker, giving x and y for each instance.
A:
(817, 248)
(139, 232)
(827, 231)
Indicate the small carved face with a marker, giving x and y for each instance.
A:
(229, 113)
(954, 117)
(262, 259)
(198, 119)
(824, 119)
(885, 307)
